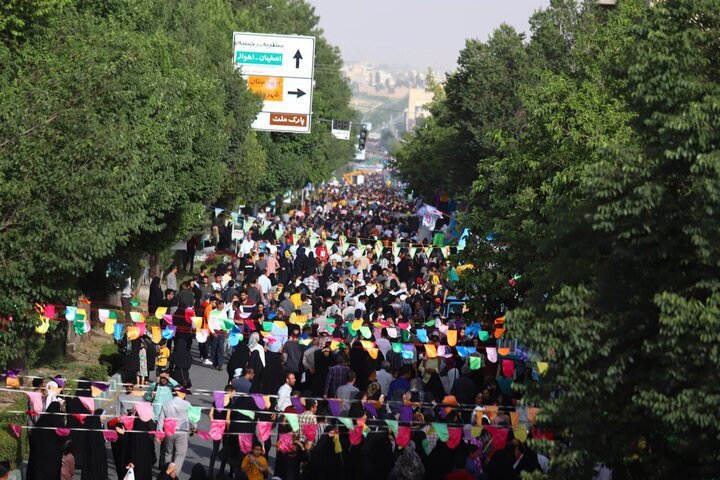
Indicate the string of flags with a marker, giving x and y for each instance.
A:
(277, 330)
(243, 225)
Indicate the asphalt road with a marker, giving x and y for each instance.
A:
(203, 377)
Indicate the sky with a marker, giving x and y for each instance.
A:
(416, 33)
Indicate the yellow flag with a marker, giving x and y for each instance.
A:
(452, 337)
(43, 327)
(520, 433)
(430, 350)
(373, 352)
(110, 326)
(542, 367)
(133, 333)
(367, 344)
(356, 324)
(156, 334)
(197, 322)
(160, 312)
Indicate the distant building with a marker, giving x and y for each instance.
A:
(418, 99)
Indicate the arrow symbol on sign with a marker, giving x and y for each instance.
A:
(297, 58)
(298, 93)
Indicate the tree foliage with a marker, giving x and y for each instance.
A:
(121, 120)
(603, 199)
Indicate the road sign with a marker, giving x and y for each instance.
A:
(280, 68)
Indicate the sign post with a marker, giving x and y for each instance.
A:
(281, 69)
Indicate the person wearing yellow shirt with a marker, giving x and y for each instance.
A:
(255, 465)
(163, 356)
(296, 299)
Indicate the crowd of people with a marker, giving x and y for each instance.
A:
(339, 311)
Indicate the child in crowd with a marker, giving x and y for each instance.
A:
(255, 465)
(163, 356)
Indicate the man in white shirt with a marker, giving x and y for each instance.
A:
(247, 245)
(285, 392)
(384, 377)
(264, 283)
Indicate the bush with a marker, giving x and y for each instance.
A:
(11, 448)
(110, 358)
(96, 372)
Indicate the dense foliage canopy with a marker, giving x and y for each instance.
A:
(596, 147)
(121, 120)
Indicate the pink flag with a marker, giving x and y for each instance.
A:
(403, 437)
(204, 435)
(263, 430)
(80, 417)
(62, 432)
(144, 410)
(217, 428)
(168, 319)
(356, 435)
(499, 436)
(50, 311)
(16, 429)
(508, 368)
(245, 440)
(169, 425)
(159, 435)
(110, 435)
(285, 442)
(89, 403)
(128, 422)
(310, 431)
(35, 401)
(455, 436)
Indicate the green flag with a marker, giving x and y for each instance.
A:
(483, 335)
(397, 347)
(442, 431)
(347, 422)
(193, 414)
(292, 420)
(248, 413)
(475, 363)
(79, 327)
(393, 424)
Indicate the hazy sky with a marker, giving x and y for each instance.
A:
(416, 33)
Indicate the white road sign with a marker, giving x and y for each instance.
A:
(280, 68)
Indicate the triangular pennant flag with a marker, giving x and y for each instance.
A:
(285, 442)
(88, 403)
(110, 326)
(193, 414)
(156, 334)
(441, 429)
(169, 426)
(454, 437)
(144, 411)
(248, 413)
(310, 431)
(292, 420)
(103, 315)
(356, 435)
(346, 421)
(403, 437)
(160, 312)
(217, 429)
(16, 429)
(263, 430)
(245, 440)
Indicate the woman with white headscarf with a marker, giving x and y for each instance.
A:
(256, 361)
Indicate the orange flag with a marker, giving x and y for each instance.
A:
(452, 337)
(430, 350)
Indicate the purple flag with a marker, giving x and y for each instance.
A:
(406, 413)
(220, 400)
(259, 400)
(370, 408)
(334, 406)
(297, 404)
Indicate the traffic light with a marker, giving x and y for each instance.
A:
(362, 139)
